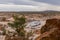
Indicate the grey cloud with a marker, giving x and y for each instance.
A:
(25, 2)
(6, 1)
(30, 2)
(21, 2)
(29, 5)
(17, 2)
(53, 2)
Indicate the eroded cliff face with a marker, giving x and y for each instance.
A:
(50, 23)
(51, 30)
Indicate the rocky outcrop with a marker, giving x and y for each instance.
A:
(51, 30)
(50, 23)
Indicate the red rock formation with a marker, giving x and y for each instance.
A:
(51, 30)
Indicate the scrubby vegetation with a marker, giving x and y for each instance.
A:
(18, 24)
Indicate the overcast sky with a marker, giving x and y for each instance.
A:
(29, 5)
